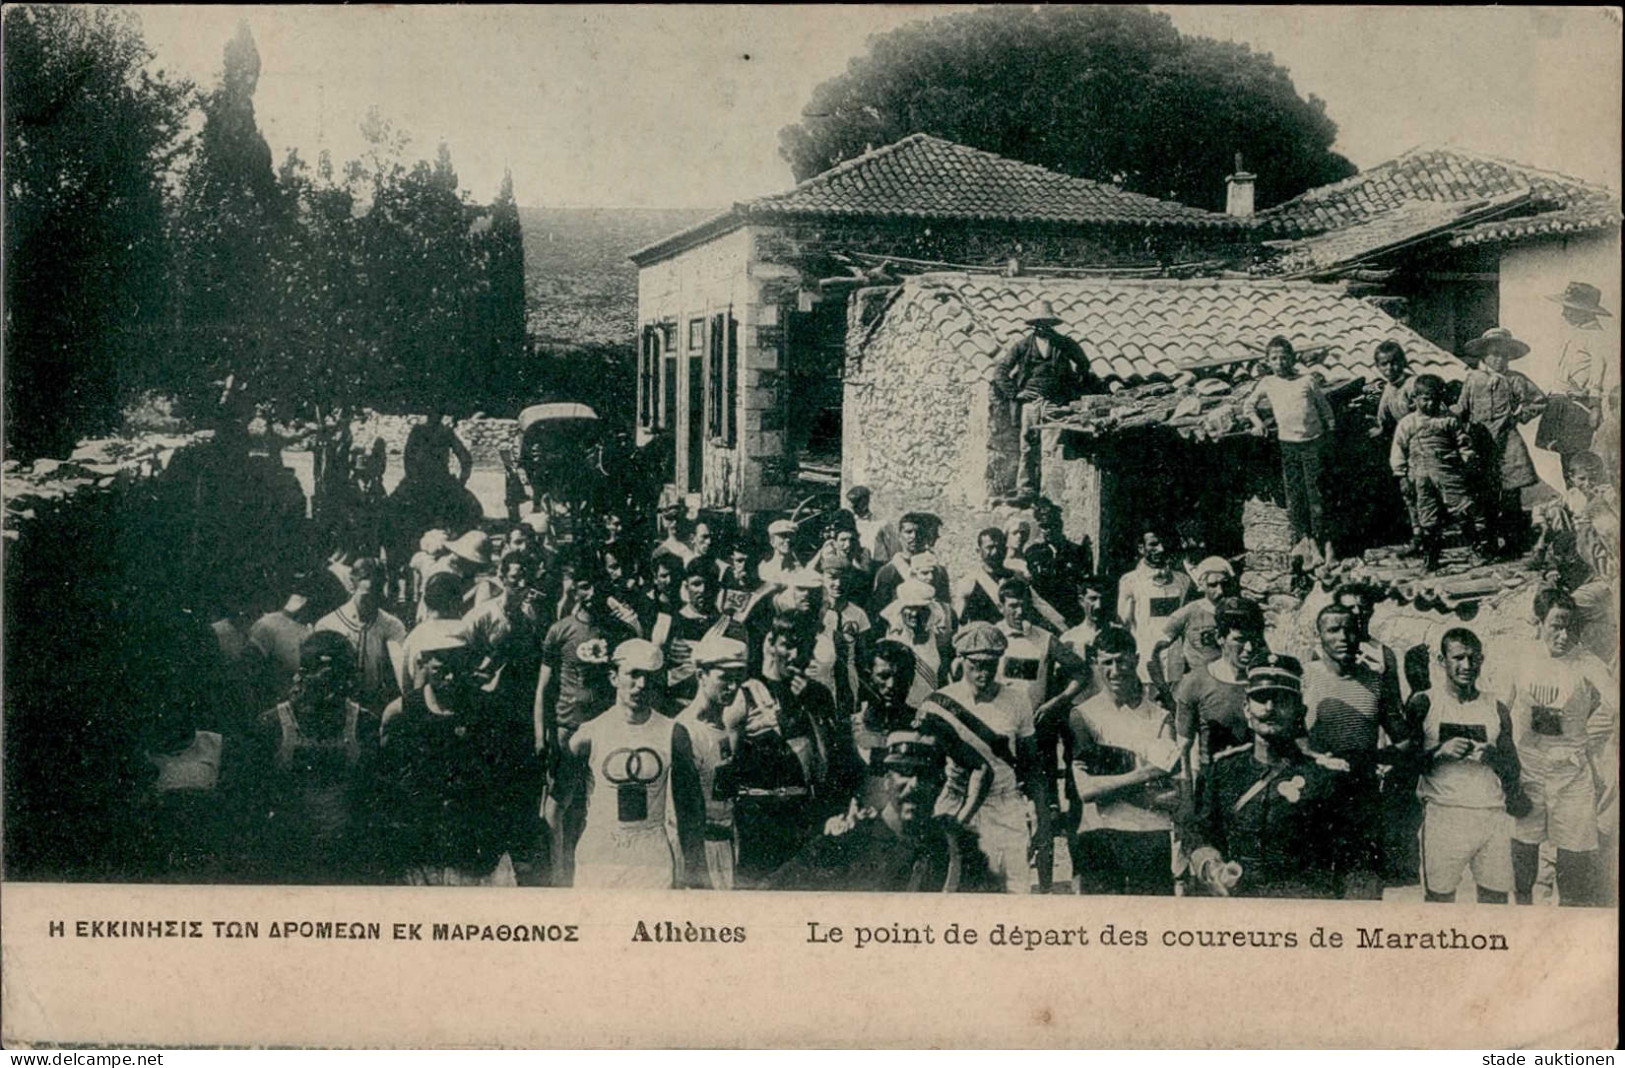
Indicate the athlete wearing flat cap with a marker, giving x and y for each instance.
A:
(993, 778)
(781, 561)
(710, 726)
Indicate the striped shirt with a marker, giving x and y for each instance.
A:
(1344, 711)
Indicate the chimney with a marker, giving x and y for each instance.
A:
(1238, 198)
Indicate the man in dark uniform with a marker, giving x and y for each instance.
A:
(1039, 370)
(903, 847)
(1268, 821)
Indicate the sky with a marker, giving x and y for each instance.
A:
(680, 107)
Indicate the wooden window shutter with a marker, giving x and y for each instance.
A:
(646, 360)
(731, 415)
(714, 355)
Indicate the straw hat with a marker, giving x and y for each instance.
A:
(1045, 316)
(1497, 341)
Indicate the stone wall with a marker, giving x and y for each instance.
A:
(484, 436)
(42, 492)
(915, 426)
(1267, 536)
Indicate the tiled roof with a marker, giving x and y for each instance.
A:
(1580, 219)
(1136, 330)
(924, 177)
(1175, 353)
(1405, 224)
(1424, 174)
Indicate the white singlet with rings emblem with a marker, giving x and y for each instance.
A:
(624, 842)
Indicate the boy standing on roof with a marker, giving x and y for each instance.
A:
(1303, 424)
(1432, 456)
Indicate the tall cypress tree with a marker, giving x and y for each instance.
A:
(230, 225)
(507, 376)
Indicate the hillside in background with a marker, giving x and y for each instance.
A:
(580, 286)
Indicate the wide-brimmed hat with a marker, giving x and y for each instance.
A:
(1496, 340)
(475, 547)
(1582, 297)
(1043, 315)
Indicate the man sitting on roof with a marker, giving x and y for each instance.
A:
(1040, 369)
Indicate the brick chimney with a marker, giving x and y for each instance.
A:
(1238, 197)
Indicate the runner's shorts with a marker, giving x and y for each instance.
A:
(1455, 839)
(1002, 831)
(719, 863)
(1563, 801)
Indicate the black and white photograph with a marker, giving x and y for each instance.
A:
(1031, 450)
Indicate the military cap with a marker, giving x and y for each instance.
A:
(324, 645)
(911, 749)
(1275, 672)
(980, 639)
(781, 526)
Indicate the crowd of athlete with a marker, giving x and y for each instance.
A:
(690, 710)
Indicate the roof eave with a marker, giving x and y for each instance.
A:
(683, 240)
(1489, 234)
(772, 214)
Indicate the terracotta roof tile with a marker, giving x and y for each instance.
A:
(1436, 174)
(926, 177)
(1138, 329)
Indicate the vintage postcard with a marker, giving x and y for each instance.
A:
(824, 526)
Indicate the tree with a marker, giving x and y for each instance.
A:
(230, 224)
(1115, 94)
(426, 278)
(504, 319)
(90, 137)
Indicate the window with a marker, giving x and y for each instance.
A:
(668, 409)
(696, 335)
(722, 381)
